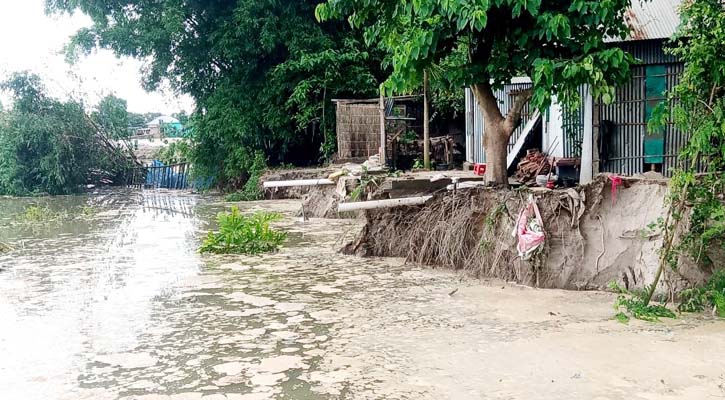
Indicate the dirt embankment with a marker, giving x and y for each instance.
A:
(592, 237)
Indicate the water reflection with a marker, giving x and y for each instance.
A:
(82, 285)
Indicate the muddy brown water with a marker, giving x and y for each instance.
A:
(110, 300)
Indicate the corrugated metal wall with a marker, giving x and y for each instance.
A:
(628, 118)
(573, 127)
(474, 122)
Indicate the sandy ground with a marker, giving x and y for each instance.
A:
(507, 342)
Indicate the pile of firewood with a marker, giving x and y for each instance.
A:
(534, 163)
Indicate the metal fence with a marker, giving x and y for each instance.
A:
(174, 176)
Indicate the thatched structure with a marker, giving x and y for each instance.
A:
(358, 129)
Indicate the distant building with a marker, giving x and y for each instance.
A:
(162, 126)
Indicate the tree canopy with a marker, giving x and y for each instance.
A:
(483, 44)
(262, 72)
(112, 115)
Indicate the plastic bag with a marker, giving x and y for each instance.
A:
(529, 230)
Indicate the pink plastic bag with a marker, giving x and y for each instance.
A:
(529, 230)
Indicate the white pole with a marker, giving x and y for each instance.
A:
(389, 203)
(300, 182)
(587, 145)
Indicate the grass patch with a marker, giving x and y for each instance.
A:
(240, 234)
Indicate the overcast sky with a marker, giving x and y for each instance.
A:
(30, 40)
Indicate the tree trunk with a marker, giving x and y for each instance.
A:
(496, 142)
(498, 130)
(495, 139)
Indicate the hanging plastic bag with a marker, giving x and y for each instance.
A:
(529, 230)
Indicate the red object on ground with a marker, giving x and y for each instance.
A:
(479, 169)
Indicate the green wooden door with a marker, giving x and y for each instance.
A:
(655, 87)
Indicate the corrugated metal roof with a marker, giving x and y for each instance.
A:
(652, 19)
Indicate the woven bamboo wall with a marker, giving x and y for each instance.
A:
(358, 130)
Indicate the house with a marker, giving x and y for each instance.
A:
(608, 138)
(162, 126)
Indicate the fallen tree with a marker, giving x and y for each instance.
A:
(53, 146)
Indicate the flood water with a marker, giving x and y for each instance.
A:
(109, 299)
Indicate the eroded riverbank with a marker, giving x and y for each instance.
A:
(119, 305)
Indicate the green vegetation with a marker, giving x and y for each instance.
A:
(112, 116)
(634, 303)
(38, 214)
(483, 44)
(696, 216)
(712, 295)
(263, 73)
(50, 146)
(42, 214)
(175, 153)
(240, 234)
(252, 189)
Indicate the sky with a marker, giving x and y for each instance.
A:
(30, 40)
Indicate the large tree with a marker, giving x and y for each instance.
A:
(112, 115)
(558, 44)
(262, 72)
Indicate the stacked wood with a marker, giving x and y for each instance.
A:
(534, 163)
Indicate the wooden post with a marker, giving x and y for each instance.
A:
(426, 123)
(382, 128)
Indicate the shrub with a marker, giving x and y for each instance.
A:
(240, 234)
(251, 190)
(711, 295)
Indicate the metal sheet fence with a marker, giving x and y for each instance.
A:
(623, 126)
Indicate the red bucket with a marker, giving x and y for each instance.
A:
(479, 169)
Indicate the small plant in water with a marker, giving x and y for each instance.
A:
(88, 211)
(240, 234)
(38, 214)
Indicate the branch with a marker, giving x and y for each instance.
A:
(513, 119)
(487, 101)
(712, 95)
